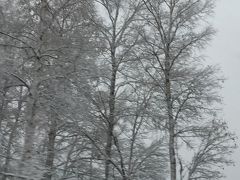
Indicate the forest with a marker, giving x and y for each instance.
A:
(110, 90)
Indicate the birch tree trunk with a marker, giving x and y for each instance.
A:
(3, 104)
(12, 135)
(111, 118)
(171, 121)
(51, 148)
(31, 124)
(2, 109)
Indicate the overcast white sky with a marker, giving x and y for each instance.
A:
(225, 50)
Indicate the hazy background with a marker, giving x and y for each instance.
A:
(225, 51)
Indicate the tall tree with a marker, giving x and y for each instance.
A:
(115, 30)
(187, 88)
(109, 89)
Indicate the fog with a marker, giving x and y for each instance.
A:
(225, 51)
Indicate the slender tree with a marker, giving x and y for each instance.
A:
(109, 89)
(115, 30)
(186, 87)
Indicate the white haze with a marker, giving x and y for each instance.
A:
(225, 51)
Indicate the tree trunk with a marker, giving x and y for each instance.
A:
(26, 165)
(51, 149)
(29, 130)
(111, 118)
(171, 121)
(31, 105)
(108, 152)
(3, 104)
(11, 137)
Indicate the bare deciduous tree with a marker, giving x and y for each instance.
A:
(109, 89)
